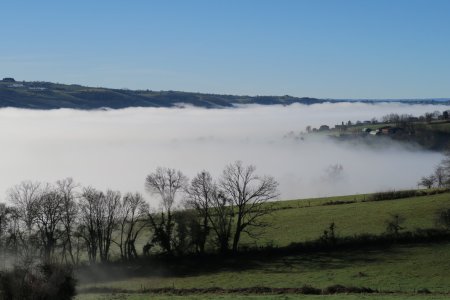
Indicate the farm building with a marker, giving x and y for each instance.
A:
(390, 130)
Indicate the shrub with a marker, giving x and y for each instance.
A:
(329, 235)
(338, 202)
(393, 195)
(423, 291)
(309, 290)
(443, 218)
(394, 224)
(335, 289)
(43, 282)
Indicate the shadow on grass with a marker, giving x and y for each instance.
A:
(297, 257)
(195, 266)
(328, 260)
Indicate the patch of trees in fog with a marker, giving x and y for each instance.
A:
(66, 223)
(441, 175)
(430, 130)
(398, 120)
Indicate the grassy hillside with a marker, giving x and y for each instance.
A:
(303, 220)
(402, 269)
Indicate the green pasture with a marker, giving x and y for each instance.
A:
(441, 126)
(404, 268)
(303, 220)
(306, 219)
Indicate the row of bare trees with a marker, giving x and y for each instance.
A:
(402, 119)
(76, 222)
(219, 211)
(69, 223)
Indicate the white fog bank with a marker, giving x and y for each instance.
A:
(118, 148)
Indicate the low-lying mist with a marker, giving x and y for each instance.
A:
(117, 148)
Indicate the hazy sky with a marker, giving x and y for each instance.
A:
(335, 49)
(117, 148)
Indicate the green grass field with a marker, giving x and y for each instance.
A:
(400, 268)
(302, 220)
(441, 126)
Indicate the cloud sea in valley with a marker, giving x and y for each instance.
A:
(117, 148)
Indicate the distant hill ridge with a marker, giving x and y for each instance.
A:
(47, 95)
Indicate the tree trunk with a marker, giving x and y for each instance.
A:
(237, 235)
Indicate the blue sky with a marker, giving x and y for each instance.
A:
(327, 49)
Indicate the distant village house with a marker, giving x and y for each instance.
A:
(16, 85)
(389, 130)
(375, 132)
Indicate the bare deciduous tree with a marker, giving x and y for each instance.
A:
(98, 220)
(445, 165)
(109, 205)
(24, 197)
(49, 216)
(439, 174)
(89, 203)
(249, 194)
(199, 194)
(221, 219)
(3, 226)
(166, 183)
(427, 181)
(390, 118)
(66, 189)
(13, 231)
(132, 214)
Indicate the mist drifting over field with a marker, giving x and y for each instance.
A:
(117, 148)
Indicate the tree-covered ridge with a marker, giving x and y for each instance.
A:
(47, 95)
